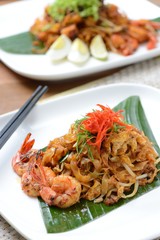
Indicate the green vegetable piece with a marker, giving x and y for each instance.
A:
(84, 8)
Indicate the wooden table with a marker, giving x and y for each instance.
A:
(15, 89)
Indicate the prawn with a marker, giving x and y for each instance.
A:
(123, 43)
(144, 30)
(21, 159)
(29, 185)
(64, 192)
(30, 181)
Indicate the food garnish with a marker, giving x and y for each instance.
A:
(79, 52)
(84, 8)
(100, 124)
(60, 48)
(98, 48)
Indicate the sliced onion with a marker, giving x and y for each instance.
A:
(136, 185)
(142, 176)
(125, 184)
(129, 170)
(157, 161)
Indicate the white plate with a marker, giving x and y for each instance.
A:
(18, 17)
(139, 219)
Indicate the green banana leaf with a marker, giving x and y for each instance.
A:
(22, 43)
(60, 220)
(156, 19)
(19, 44)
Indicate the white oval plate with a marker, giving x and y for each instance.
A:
(138, 219)
(18, 17)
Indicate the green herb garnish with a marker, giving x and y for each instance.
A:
(64, 158)
(82, 137)
(84, 8)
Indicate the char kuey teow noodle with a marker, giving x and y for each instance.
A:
(101, 158)
(85, 19)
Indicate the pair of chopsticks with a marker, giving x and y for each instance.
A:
(17, 119)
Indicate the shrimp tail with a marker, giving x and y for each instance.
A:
(27, 144)
(22, 157)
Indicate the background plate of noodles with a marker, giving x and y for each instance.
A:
(40, 67)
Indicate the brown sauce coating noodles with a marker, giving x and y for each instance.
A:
(101, 158)
(126, 160)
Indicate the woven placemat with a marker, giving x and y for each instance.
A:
(7, 232)
(147, 72)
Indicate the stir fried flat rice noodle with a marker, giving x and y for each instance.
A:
(101, 158)
(120, 34)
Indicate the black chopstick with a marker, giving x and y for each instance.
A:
(17, 119)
